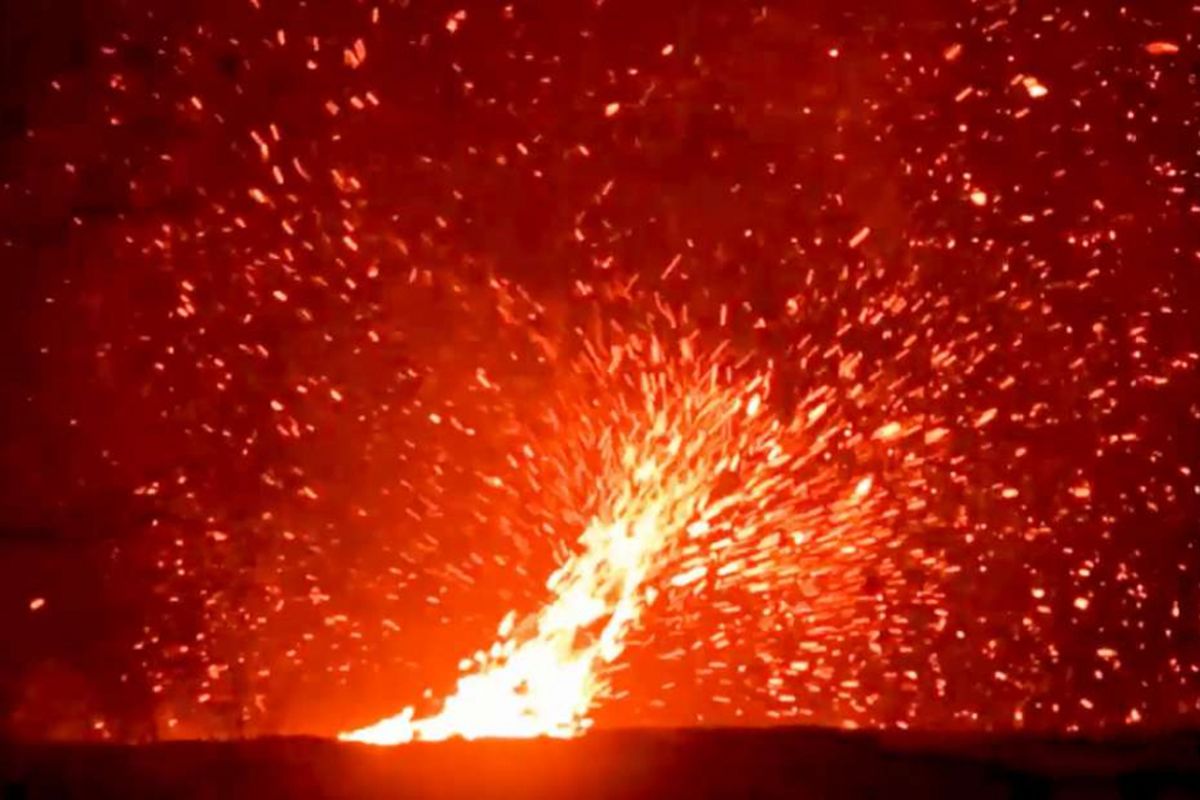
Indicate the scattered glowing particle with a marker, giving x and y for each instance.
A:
(37, 603)
(691, 576)
(611, 109)
(455, 20)
(753, 406)
(860, 237)
(1162, 48)
(1034, 87)
(889, 431)
(935, 435)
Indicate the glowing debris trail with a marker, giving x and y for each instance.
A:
(698, 449)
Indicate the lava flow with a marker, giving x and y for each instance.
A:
(700, 481)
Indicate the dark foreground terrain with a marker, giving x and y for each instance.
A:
(716, 763)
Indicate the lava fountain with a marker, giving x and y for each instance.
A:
(687, 452)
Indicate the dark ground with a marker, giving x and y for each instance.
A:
(715, 763)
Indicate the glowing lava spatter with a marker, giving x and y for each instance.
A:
(683, 463)
(544, 685)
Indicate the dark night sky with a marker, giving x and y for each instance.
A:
(287, 284)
